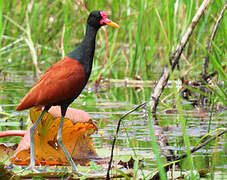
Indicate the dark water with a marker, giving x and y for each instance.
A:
(110, 103)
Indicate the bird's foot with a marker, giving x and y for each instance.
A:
(79, 173)
(32, 168)
(36, 169)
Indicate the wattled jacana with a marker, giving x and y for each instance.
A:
(64, 81)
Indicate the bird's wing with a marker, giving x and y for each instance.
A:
(63, 81)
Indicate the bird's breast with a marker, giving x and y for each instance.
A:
(61, 83)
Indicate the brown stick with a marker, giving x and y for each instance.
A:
(174, 58)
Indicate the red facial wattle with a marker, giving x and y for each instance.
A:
(105, 20)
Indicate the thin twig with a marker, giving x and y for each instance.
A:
(177, 159)
(174, 58)
(115, 137)
(205, 77)
(206, 60)
(202, 145)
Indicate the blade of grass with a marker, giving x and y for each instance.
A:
(137, 49)
(155, 144)
(182, 122)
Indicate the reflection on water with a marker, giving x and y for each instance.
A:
(110, 104)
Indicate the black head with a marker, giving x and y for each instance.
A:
(98, 19)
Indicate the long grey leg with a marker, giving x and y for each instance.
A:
(60, 142)
(32, 132)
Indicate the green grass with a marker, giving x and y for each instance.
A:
(149, 31)
(45, 31)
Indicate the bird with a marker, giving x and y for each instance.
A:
(63, 82)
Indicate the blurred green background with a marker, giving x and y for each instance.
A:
(36, 34)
